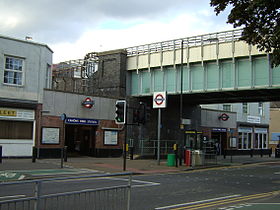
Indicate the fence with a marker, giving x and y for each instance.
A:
(149, 147)
(105, 198)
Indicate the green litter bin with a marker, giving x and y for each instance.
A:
(171, 160)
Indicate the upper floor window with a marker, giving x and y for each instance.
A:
(245, 108)
(260, 108)
(13, 72)
(227, 107)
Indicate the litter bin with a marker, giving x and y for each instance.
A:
(277, 152)
(171, 160)
(196, 158)
(188, 157)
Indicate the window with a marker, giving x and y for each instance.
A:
(245, 108)
(260, 108)
(16, 129)
(13, 72)
(227, 107)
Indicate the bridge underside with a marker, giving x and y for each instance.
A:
(254, 95)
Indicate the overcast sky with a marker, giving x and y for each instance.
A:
(73, 28)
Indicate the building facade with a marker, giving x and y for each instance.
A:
(251, 128)
(25, 68)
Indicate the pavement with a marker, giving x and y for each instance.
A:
(17, 169)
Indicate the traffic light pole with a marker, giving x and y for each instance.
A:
(124, 147)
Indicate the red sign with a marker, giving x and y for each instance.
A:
(88, 103)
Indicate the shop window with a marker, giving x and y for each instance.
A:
(16, 130)
(240, 141)
(13, 72)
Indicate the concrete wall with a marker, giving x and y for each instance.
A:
(57, 103)
(36, 59)
(210, 118)
(192, 54)
(252, 111)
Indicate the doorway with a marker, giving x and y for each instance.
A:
(220, 141)
(80, 140)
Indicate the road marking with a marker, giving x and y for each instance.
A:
(197, 202)
(218, 201)
(11, 196)
(230, 200)
(142, 183)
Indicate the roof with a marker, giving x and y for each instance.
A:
(26, 41)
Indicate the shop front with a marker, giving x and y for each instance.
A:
(17, 131)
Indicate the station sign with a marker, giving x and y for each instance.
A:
(159, 100)
(81, 121)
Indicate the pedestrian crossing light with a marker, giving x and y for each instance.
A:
(120, 112)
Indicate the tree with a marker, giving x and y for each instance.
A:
(260, 20)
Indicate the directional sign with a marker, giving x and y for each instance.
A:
(159, 100)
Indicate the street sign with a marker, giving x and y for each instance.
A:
(159, 100)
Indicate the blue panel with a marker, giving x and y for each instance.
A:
(197, 77)
(158, 85)
(212, 76)
(170, 79)
(186, 85)
(276, 76)
(134, 83)
(227, 74)
(244, 73)
(261, 68)
(146, 82)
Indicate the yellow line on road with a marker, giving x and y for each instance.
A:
(231, 200)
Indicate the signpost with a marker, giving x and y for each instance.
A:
(159, 102)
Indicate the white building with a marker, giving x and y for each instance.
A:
(252, 123)
(25, 68)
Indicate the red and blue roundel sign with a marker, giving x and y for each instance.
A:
(88, 103)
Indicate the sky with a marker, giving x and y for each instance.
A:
(74, 28)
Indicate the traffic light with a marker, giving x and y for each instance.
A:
(139, 114)
(120, 112)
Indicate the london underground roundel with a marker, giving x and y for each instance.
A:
(88, 103)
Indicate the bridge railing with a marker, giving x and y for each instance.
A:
(111, 198)
(200, 40)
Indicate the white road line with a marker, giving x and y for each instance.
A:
(197, 202)
(142, 183)
(11, 196)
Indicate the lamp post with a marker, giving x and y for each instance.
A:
(181, 103)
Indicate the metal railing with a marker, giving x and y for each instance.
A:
(107, 198)
(149, 147)
(200, 40)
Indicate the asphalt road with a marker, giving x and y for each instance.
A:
(225, 188)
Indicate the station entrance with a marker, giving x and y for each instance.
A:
(80, 140)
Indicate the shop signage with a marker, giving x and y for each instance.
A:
(22, 114)
(245, 130)
(219, 130)
(88, 102)
(253, 119)
(81, 121)
(260, 130)
(223, 117)
(8, 113)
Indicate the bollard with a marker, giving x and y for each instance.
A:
(131, 153)
(65, 154)
(0, 153)
(61, 157)
(34, 154)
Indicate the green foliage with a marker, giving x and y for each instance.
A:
(260, 19)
